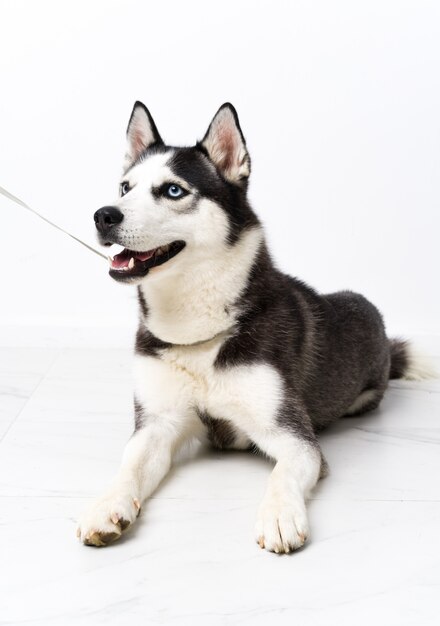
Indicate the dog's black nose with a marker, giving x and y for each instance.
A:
(107, 217)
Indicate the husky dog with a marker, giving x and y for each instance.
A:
(228, 347)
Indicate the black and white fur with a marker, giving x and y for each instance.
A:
(229, 347)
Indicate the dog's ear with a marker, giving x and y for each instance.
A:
(225, 145)
(141, 133)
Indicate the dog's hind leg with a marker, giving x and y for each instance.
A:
(366, 401)
(370, 398)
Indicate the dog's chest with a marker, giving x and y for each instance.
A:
(244, 394)
(196, 366)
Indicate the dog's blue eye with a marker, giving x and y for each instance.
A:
(125, 188)
(174, 191)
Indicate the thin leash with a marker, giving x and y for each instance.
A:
(10, 196)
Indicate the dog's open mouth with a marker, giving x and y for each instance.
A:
(134, 264)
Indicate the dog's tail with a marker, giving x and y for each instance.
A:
(408, 363)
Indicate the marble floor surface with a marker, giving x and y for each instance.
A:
(374, 554)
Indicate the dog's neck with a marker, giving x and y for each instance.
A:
(197, 302)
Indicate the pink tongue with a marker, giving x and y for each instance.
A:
(123, 258)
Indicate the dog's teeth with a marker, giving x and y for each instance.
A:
(131, 263)
(110, 259)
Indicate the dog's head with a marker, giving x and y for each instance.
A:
(177, 203)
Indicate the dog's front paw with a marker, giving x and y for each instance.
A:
(281, 524)
(107, 518)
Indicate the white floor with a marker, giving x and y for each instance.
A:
(374, 556)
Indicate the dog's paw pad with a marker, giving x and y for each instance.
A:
(100, 539)
(123, 523)
(120, 521)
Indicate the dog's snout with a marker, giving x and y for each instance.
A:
(107, 217)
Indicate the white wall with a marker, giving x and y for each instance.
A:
(340, 104)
